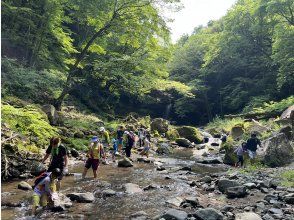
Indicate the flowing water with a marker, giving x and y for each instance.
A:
(170, 183)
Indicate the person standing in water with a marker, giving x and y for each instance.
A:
(59, 159)
(141, 135)
(147, 145)
(130, 142)
(95, 154)
(119, 137)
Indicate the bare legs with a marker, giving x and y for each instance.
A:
(85, 173)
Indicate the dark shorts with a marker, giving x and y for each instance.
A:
(94, 163)
(52, 167)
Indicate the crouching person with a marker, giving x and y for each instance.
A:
(45, 189)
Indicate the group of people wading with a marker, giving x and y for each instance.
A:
(48, 183)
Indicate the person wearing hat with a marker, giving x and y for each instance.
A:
(95, 153)
(44, 189)
(105, 135)
(130, 142)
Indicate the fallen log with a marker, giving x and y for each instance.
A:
(255, 115)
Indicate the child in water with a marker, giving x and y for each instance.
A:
(240, 153)
(147, 144)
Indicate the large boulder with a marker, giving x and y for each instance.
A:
(174, 214)
(190, 133)
(277, 151)
(237, 131)
(52, 114)
(247, 216)
(159, 124)
(172, 134)
(125, 162)
(163, 148)
(256, 127)
(224, 184)
(183, 142)
(82, 197)
(287, 116)
(208, 214)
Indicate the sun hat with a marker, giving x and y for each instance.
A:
(102, 129)
(94, 139)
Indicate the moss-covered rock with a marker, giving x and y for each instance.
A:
(172, 134)
(191, 133)
(159, 124)
(29, 121)
(237, 131)
(183, 142)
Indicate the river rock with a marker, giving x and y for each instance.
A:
(159, 124)
(250, 185)
(125, 162)
(190, 133)
(288, 131)
(278, 151)
(247, 216)
(267, 217)
(183, 142)
(236, 192)
(237, 131)
(206, 179)
(108, 193)
(192, 200)
(177, 201)
(82, 197)
(24, 186)
(210, 160)
(141, 215)
(289, 198)
(163, 148)
(223, 184)
(10, 204)
(51, 113)
(61, 203)
(276, 211)
(208, 214)
(174, 214)
(74, 153)
(132, 188)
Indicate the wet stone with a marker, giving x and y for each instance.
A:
(206, 179)
(81, 197)
(173, 214)
(289, 198)
(264, 190)
(236, 192)
(250, 185)
(177, 201)
(247, 216)
(24, 186)
(141, 215)
(276, 211)
(227, 208)
(223, 184)
(132, 188)
(193, 201)
(208, 214)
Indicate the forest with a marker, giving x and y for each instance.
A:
(115, 57)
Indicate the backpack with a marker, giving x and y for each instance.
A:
(40, 178)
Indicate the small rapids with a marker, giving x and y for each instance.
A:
(169, 183)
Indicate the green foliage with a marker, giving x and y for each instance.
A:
(288, 178)
(29, 121)
(30, 84)
(77, 143)
(275, 106)
(224, 125)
